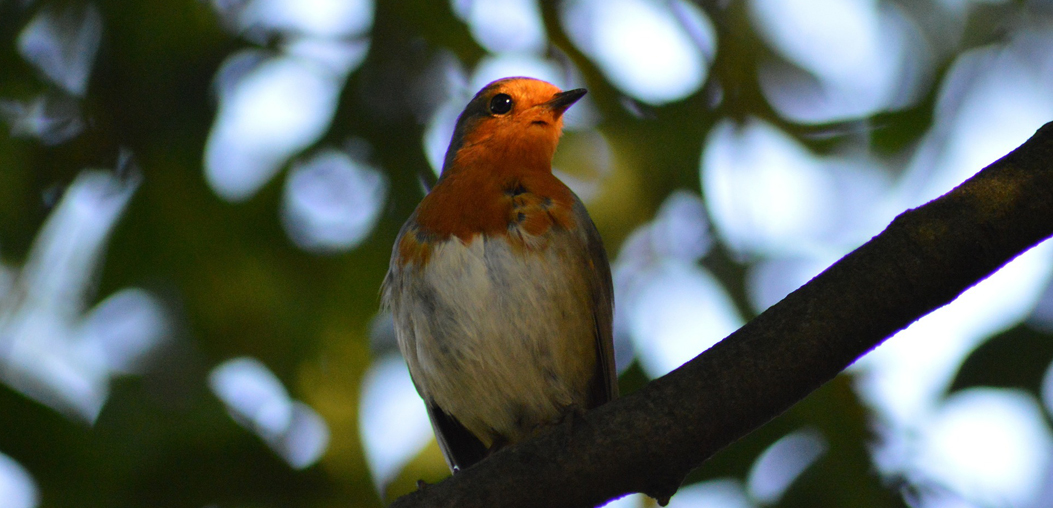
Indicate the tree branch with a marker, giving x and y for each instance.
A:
(649, 441)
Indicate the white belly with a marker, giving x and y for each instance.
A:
(500, 338)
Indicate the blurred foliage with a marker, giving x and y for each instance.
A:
(237, 285)
(1002, 361)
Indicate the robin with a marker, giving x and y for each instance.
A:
(499, 283)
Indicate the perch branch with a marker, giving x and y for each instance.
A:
(648, 441)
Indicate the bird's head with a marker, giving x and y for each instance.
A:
(510, 121)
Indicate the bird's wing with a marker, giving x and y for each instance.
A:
(605, 385)
(460, 447)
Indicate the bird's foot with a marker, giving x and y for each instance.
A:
(572, 416)
(498, 443)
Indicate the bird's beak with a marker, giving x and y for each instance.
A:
(563, 100)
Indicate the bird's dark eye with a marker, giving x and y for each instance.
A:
(501, 104)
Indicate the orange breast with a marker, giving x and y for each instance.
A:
(466, 204)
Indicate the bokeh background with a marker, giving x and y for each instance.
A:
(198, 199)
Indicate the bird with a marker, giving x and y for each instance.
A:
(499, 284)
